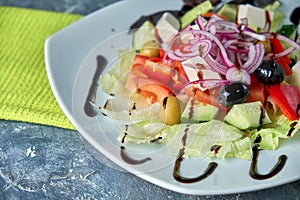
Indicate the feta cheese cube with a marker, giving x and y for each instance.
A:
(257, 17)
(197, 69)
(167, 27)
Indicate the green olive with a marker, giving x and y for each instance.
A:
(170, 110)
(150, 49)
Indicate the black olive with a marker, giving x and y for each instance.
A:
(295, 16)
(270, 72)
(233, 93)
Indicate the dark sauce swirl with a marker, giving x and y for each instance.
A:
(130, 160)
(292, 128)
(176, 170)
(89, 109)
(262, 115)
(275, 170)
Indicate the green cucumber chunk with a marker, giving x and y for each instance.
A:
(247, 115)
(195, 112)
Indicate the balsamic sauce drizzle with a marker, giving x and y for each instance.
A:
(262, 115)
(292, 128)
(156, 140)
(275, 170)
(126, 157)
(176, 170)
(89, 109)
(165, 103)
(176, 174)
(125, 134)
(191, 111)
(258, 139)
(130, 160)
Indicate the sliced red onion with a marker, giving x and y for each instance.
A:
(254, 35)
(237, 46)
(223, 53)
(279, 55)
(204, 47)
(227, 25)
(169, 53)
(185, 55)
(215, 65)
(240, 75)
(209, 23)
(288, 40)
(228, 49)
(285, 39)
(201, 21)
(239, 59)
(267, 28)
(255, 57)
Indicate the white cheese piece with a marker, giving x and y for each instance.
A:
(295, 79)
(196, 68)
(257, 17)
(167, 27)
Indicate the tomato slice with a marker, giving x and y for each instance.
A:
(155, 91)
(287, 98)
(155, 79)
(207, 96)
(158, 71)
(257, 91)
(139, 60)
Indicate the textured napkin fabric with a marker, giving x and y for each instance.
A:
(25, 93)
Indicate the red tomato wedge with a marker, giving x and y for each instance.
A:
(287, 98)
(257, 91)
(154, 78)
(158, 71)
(155, 91)
(208, 96)
(149, 88)
(139, 60)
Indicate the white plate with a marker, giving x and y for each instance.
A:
(71, 63)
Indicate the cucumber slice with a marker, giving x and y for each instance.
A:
(144, 34)
(247, 115)
(192, 14)
(229, 11)
(198, 112)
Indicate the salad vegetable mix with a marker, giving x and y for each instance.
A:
(216, 82)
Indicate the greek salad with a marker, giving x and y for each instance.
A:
(225, 80)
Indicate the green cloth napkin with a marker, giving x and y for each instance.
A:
(25, 93)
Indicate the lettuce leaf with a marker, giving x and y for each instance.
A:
(213, 139)
(268, 136)
(114, 80)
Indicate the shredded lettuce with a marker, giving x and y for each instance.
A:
(270, 135)
(201, 138)
(115, 78)
(128, 114)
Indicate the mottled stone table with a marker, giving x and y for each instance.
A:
(41, 162)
